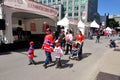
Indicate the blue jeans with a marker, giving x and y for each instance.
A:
(48, 57)
(74, 53)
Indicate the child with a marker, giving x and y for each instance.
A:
(112, 43)
(74, 51)
(58, 53)
(31, 53)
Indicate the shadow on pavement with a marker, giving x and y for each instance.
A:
(52, 64)
(65, 64)
(86, 55)
(40, 62)
(70, 65)
(5, 53)
(21, 50)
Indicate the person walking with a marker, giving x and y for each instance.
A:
(31, 53)
(80, 41)
(62, 39)
(68, 38)
(48, 47)
(58, 53)
(98, 38)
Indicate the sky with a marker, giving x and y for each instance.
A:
(109, 6)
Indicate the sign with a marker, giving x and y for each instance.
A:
(32, 7)
(72, 21)
(84, 15)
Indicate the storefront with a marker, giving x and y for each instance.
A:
(27, 15)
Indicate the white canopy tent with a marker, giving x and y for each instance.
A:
(81, 26)
(94, 24)
(64, 22)
(108, 29)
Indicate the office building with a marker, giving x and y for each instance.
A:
(86, 10)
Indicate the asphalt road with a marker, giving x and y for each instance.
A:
(14, 64)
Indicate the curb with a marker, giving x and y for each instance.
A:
(98, 66)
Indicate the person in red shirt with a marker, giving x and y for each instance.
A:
(80, 40)
(48, 46)
(31, 53)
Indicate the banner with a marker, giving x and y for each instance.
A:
(84, 15)
(32, 7)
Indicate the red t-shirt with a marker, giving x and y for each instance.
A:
(79, 38)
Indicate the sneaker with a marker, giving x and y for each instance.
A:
(45, 66)
(30, 64)
(50, 62)
(35, 63)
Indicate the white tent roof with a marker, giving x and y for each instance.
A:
(94, 24)
(63, 22)
(108, 29)
(81, 24)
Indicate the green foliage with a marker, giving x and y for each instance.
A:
(112, 23)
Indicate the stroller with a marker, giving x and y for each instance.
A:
(74, 51)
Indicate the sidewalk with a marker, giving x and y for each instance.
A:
(98, 58)
(109, 66)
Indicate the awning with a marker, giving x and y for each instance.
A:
(81, 26)
(63, 22)
(94, 24)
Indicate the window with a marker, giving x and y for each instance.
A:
(64, 3)
(64, 9)
(70, 8)
(83, 1)
(76, 14)
(82, 8)
(76, 8)
(44, 1)
(64, 6)
(70, 3)
(49, 1)
(69, 14)
(54, 1)
(76, 2)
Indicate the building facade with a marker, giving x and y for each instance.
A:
(85, 10)
(116, 17)
(20, 17)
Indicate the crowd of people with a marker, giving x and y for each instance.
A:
(63, 44)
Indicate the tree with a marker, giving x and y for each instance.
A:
(112, 23)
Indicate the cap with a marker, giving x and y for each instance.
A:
(31, 43)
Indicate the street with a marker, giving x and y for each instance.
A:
(14, 65)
